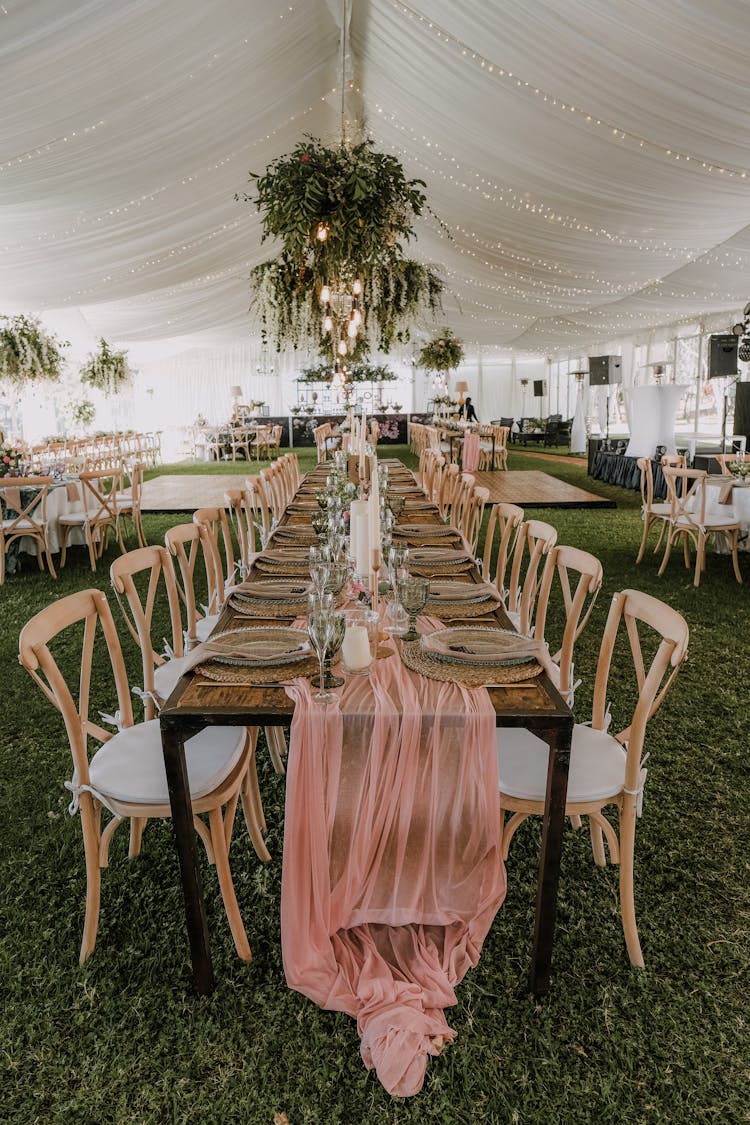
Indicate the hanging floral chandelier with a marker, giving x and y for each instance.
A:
(341, 282)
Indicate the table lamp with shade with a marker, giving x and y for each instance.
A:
(461, 388)
(236, 393)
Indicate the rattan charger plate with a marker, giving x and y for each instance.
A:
(432, 570)
(258, 676)
(269, 607)
(469, 675)
(446, 611)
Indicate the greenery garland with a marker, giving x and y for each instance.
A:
(28, 353)
(106, 370)
(443, 353)
(355, 373)
(365, 205)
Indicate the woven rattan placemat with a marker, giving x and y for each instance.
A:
(269, 607)
(470, 675)
(257, 676)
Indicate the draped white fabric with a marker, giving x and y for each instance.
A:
(590, 162)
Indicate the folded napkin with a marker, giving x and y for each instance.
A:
(252, 648)
(279, 556)
(275, 589)
(423, 556)
(427, 529)
(495, 647)
(463, 592)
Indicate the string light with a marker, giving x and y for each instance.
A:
(501, 75)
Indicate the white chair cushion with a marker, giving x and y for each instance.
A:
(167, 675)
(597, 765)
(20, 524)
(130, 767)
(205, 626)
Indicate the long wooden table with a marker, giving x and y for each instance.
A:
(196, 703)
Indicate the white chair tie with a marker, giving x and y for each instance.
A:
(113, 720)
(73, 787)
(144, 695)
(638, 793)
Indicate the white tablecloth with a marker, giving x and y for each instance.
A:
(63, 497)
(739, 509)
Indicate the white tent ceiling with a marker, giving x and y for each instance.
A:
(590, 161)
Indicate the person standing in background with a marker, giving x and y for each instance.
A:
(467, 411)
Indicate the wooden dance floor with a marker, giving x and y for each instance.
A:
(186, 493)
(527, 489)
(538, 490)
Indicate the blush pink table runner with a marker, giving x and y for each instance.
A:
(470, 460)
(392, 873)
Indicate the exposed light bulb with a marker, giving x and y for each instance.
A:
(325, 294)
(342, 348)
(357, 317)
(322, 234)
(328, 324)
(357, 287)
(351, 330)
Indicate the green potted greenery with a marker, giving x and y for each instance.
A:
(28, 353)
(341, 215)
(106, 370)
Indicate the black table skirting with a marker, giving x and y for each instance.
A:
(616, 468)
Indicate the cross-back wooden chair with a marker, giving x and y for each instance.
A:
(188, 543)
(261, 443)
(23, 513)
(260, 504)
(125, 776)
(502, 529)
(653, 513)
(570, 584)
(248, 534)
(689, 521)
(605, 769)
(219, 528)
(534, 540)
(129, 499)
(472, 514)
(727, 459)
(98, 514)
(161, 670)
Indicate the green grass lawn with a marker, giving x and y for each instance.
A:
(124, 1039)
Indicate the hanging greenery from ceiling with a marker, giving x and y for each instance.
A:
(28, 353)
(106, 370)
(355, 373)
(341, 214)
(443, 353)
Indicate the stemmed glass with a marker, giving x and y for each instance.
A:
(320, 628)
(338, 572)
(395, 502)
(398, 557)
(338, 628)
(413, 593)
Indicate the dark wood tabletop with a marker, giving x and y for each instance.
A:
(197, 703)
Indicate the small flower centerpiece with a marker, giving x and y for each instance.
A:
(10, 459)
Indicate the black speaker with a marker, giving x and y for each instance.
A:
(540, 388)
(604, 370)
(742, 410)
(722, 356)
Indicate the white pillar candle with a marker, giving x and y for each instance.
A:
(374, 505)
(359, 520)
(356, 648)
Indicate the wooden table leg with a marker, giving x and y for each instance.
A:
(551, 853)
(173, 747)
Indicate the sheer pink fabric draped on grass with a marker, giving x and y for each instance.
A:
(392, 871)
(470, 460)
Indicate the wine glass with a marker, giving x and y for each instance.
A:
(319, 576)
(320, 632)
(338, 618)
(396, 503)
(338, 572)
(413, 593)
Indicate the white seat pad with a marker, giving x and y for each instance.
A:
(20, 524)
(205, 626)
(597, 765)
(130, 767)
(167, 675)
